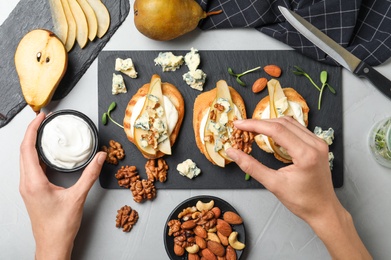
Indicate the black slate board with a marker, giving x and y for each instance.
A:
(34, 14)
(214, 64)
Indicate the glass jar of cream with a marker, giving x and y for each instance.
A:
(67, 140)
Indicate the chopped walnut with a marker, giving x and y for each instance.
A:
(242, 140)
(126, 176)
(206, 218)
(156, 170)
(143, 189)
(114, 152)
(126, 218)
(184, 238)
(187, 212)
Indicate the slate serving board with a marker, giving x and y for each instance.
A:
(215, 64)
(35, 14)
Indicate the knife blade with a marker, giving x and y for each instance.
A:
(337, 52)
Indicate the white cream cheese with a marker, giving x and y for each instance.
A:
(169, 108)
(67, 141)
(281, 106)
(188, 168)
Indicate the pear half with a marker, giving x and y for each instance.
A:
(41, 61)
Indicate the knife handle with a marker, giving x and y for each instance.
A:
(382, 83)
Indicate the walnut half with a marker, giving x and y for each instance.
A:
(126, 218)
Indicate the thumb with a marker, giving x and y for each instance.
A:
(90, 174)
(251, 166)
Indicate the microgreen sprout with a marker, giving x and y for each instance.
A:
(323, 79)
(107, 115)
(238, 75)
(247, 177)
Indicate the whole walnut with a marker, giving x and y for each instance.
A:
(143, 189)
(126, 175)
(126, 218)
(114, 152)
(156, 170)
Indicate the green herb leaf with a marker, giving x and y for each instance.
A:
(238, 75)
(104, 119)
(247, 177)
(112, 106)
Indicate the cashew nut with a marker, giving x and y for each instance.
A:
(233, 241)
(205, 206)
(213, 237)
(193, 249)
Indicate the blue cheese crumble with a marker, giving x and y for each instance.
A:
(118, 85)
(195, 77)
(328, 137)
(168, 61)
(126, 66)
(188, 169)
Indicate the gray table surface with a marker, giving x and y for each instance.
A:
(272, 231)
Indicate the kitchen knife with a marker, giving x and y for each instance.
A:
(337, 52)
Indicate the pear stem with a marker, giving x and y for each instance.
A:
(213, 13)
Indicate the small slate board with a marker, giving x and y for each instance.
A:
(35, 14)
(215, 64)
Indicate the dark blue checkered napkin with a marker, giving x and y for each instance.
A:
(361, 26)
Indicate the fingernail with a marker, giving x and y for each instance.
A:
(231, 152)
(238, 122)
(102, 157)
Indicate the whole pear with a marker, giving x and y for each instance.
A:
(165, 20)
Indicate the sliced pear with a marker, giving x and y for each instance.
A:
(72, 30)
(210, 146)
(81, 23)
(91, 19)
(41, 61)
(222, 91)
(275, 93)
(102, 15)
(59, 20)
(155, 91)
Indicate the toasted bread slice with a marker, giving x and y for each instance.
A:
(293, 96)
(201, 108)
(171, 92)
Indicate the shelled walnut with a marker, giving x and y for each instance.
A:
(126, 218)
(143, 189)
(156, 170)
(126, 175)
(115, 152)
(242, 140)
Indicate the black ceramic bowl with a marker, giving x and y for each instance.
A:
(72, 133)
(222, 204)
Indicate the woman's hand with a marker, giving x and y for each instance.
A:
(305, 187)
(55, 212)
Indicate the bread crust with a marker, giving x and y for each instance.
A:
(292, 95)
(168, 90)
(201, 107)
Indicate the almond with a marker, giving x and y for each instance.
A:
(216, 211)
(190, 224)
(230, 253)
(273, 70)
(193, 257)
(216, 248)
(201, 242)
(200, 231)
(223, 227)
(208, 255)
(178, 250)
(223, 239)
(232, 218)
(259, 85)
